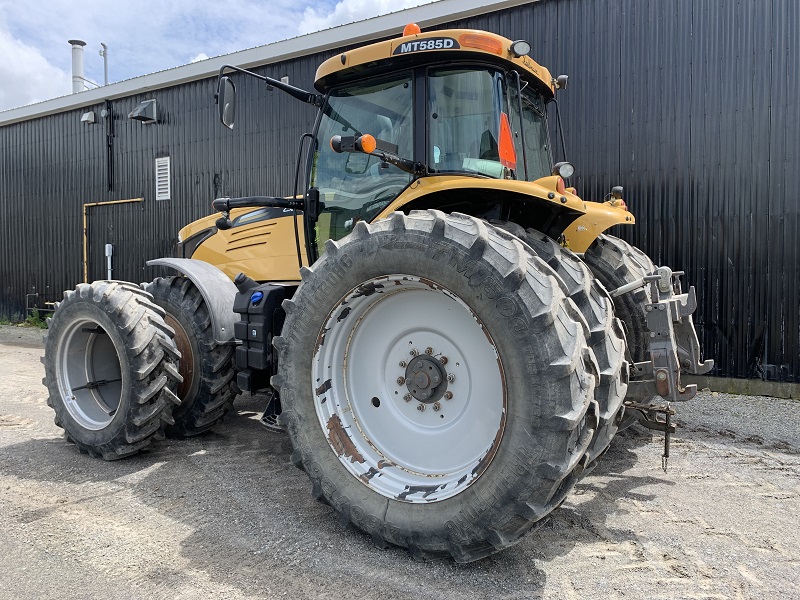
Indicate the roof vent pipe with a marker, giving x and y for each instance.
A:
(77, 65)
(104, 54)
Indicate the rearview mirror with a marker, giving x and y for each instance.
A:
(356, 164)
(226, 100)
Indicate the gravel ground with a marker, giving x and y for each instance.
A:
(227, 516)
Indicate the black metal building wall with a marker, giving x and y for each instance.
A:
(690, 104)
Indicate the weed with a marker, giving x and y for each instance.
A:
(36, 320)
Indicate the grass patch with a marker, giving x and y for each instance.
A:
(35, 320)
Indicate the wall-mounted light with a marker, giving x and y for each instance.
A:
(146, 112)
(88, 117)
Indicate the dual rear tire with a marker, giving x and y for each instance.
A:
(125, 365)
(111, 369)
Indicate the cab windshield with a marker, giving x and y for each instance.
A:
(355, 186)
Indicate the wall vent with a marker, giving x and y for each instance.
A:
(162, 178)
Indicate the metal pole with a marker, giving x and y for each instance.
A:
(109, 252)
(104, 54)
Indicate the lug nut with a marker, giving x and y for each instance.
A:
(448, 395)
(407, 397)
(443, 360)
(420, 407)
(437, 406)
(413, 352)
(451, 378)
(403, 364)
(401, 380)
(428, 350)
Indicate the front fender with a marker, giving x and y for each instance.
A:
(598, 217)
(216, 288)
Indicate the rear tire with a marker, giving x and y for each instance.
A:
(606, 334)
(111, 368)
(207, 391)
(521, 414)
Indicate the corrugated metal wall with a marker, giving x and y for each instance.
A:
(690, 104)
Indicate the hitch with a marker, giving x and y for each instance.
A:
(674, 346)
(647, 416)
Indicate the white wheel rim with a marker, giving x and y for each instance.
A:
(369, 388)
(89, 375)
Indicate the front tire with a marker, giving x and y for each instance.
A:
(111, 369)
(471, 477)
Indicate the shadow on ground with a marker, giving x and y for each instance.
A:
(255, 527)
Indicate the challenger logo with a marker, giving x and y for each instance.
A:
(429, 44)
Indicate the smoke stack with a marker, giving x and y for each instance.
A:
(77, 65)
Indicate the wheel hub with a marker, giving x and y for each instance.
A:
(426, 379)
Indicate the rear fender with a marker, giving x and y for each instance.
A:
(216, 288)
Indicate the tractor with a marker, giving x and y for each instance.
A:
(438, 322)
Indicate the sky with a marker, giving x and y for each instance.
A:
(145, 36)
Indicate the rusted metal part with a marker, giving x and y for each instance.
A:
(667, 433)
(365, 477)
(425, 490)
(320, 340)
(323, 388)
(341, 442)
(186, 366)
(367, 290)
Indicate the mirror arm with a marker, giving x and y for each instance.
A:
(409, 166)
(295, 92)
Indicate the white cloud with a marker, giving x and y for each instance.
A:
(27, 76)
(142, 37)
(349, 11)
(199, 57)
(148, 35)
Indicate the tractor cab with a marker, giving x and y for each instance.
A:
(441, 104)
(446, 106)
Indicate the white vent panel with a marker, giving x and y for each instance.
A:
(162, 178)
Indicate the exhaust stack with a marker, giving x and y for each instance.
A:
(77, 65)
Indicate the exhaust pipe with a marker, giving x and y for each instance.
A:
(77, 65)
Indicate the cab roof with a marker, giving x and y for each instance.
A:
(431, 47)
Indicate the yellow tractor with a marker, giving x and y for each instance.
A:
(441, 325)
